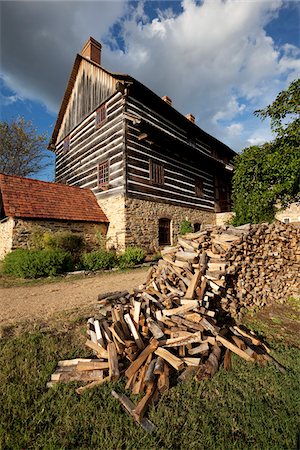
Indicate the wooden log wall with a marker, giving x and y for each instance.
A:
(90, 146)
(92, 87)
(179, 174)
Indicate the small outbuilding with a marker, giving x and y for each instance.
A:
(27, 205)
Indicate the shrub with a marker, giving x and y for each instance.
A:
(37, 263)
(99, 259)
(131, 256)
(64, 240)
(186, 227)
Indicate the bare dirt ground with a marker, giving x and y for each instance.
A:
(19, 304)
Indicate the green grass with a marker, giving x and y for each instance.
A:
(248, 408)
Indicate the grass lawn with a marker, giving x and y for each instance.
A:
(248, 408)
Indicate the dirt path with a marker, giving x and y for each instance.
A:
(19, 304)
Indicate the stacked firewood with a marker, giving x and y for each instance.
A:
(180, 321)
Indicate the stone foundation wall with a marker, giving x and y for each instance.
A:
(23, 229)
(114, 208)
(292, 213)
(6, 239)
(142, 221)
(224, 218)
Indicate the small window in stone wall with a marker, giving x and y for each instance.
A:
(66, 144)
(197, 227)
(103, 175)
(286, 220)
(199, 187)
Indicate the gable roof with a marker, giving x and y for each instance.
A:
(35, 199)
(147, 93)
(68, 92)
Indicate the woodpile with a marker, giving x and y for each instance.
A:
(180, 321)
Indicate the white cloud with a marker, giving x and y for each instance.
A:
(235, 129)
(214, 59)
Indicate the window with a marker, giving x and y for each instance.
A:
(66, 144)
(286, 220)
(100, 115)
(103, 175)
(199, 187)
(197, 227)
(156, 173)
(164, 232)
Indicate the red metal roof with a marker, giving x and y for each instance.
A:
(35, 199)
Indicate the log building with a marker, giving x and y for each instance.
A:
(149, 166)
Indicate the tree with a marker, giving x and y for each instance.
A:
(22, 150)
(269, 175)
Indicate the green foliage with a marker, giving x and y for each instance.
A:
(37, 263)
(69, 242)
(268, 175)
(249, 407)
(185, 227)
(22, 150)
(99, 259)
(131, 257)
(63, 240)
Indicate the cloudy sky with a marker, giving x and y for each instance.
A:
(218, 59)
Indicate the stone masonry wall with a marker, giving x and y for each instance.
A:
(6, 232)
(142, 221)
(24, 228)
(114, 208)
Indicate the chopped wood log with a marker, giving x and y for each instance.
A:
(100, 351)
(92, 365)
(208, 369)
(91, 385)
(163, 380)
(193, 284)
(175, 362)
(114, 372)
(129, 406)
(202, 348)
(139, 410)
(159, 366)
(141, 358)
(110, 296)
(134, 331)
(149, 375)
(181, 309)
(234, 348)
(227, 359)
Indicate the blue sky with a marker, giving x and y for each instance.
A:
(217, 59)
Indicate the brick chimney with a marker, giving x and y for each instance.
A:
(190, 117)
(92, 50)
(167, 100)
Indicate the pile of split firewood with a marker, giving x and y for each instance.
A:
(181, 319)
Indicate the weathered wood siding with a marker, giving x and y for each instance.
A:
(179, 173)
(90, 146)
(91, 88)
